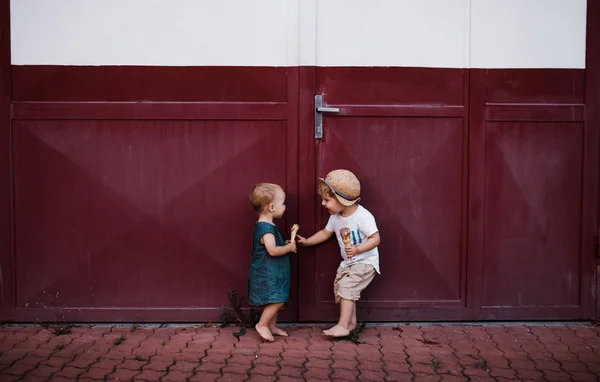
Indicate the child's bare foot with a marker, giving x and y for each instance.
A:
(336, 331)
(278, 332)
(264, 333)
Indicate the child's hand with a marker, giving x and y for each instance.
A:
(302, 241)
(351, 251)
(292, 246)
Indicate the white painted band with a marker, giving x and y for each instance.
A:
(419, 33)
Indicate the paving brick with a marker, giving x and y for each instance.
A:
(59, 379)
(319, 363)
(265, 360)
(583, 377)
(82, 361)
(426, 359)
(184, 366)
(475, 372)
(400, 367)
(215, 357)
(96, 373)
(56, 361)
(317, 373)
(245, 350)
(123, 374)
(176, 376)
(210, 367)
(203, 376)
(423, 368)
(369, 375)
(397, 376)
(300, 353)
(529, 374)
(344, 364)
(157, 365)
(237, 368)
(289, 379)
(294, 362)
(32, 359)
(564, 357)
(291, 371)
(571, 367)
(106, 363)
(149, 375)
(230, 378)
(264, 369)
(557, 376)
(131, 364)
(419, 377)
(43, 371)
(18, 369)
(69, 373)
(343, 374)
(503, 373)
(271, 352)
(323, 354)
(261, 378)
(496, 362)
(347, 355)
(594, 367)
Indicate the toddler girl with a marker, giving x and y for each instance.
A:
(269, 282)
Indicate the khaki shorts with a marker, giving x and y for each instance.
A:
(352, 280)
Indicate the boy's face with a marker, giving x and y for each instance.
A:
(332, 205)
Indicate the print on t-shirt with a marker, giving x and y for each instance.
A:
(356, 239)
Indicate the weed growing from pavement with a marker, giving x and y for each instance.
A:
(482, 365)
(428, 342)
(354, 335)
(119, 341)
(233, 314)
(134, 328)
(139, 358)
(56, 328)
(59, 347)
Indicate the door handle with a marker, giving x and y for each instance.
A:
(319, 110)
(327, 109)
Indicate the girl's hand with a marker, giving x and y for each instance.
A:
(292, 246)
(351, 251)
(302, 241)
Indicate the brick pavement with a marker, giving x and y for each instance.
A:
(389, 353)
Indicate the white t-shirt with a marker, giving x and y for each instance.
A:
(362, 225)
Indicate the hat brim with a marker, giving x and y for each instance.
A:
(343, 201)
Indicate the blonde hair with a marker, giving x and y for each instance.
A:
(262, 194)
(325, 191)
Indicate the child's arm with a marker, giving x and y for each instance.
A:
(317, 238)
(274, 249)
(372, 242)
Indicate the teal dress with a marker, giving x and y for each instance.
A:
(269, 280)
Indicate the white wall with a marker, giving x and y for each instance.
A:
(423, 33)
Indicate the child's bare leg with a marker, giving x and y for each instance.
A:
(341, 329)
(274, 329)
(267, 315)
(353, 321)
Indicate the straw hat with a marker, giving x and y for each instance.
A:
(345, 186)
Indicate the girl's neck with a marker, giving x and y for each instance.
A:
(268, 218)
(348, 211)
